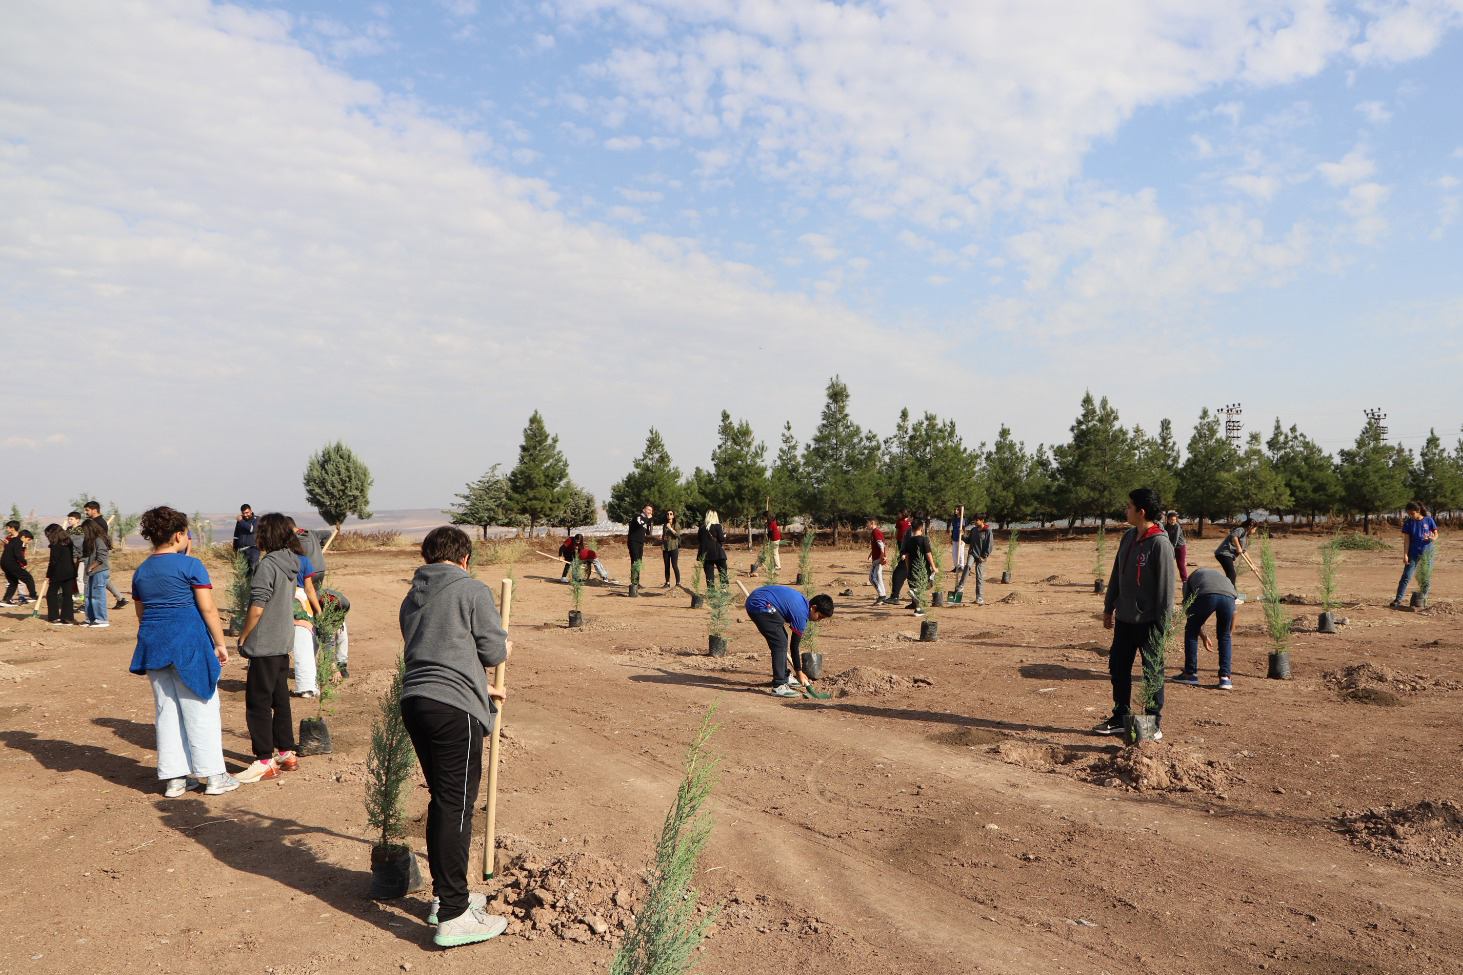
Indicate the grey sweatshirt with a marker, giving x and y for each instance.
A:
(273, 587)
(1234, 543)
(451, 631)
(1208, 582)
(99, 559)
(1175, 535)
(979, 540)
(1140, 589)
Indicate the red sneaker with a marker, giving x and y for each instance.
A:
(286, 761)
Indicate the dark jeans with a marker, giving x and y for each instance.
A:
(637, 552)
(14, 579)
(713, 564)
(449, 744)
(251, 554)
(671, 558)
(1128, 641)
(901, 575)
(774, 630)
(58, 602)
(267, 706)
(1221, 607)
(1227, 564)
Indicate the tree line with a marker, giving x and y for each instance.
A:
(845, 473)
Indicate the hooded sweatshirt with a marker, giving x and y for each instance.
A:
(452, 632)
(272, 586)
(1140, 589)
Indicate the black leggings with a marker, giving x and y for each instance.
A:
(14, 579)
(1227, 564)
(59, 607)
(712, 565)
(267, 706)
(449, 745)
(671, 558)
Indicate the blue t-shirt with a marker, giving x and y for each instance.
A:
(307, 569)
(1415, 532)
(792, 604)
(172, 631)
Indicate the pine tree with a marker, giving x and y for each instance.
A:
(1206, 485)
(937, 472)
(1257, 484)
(1157, 464)
(1373, 475)
(1096, 467)
(652, 479)
(1308, 471)
(1436, 480)
(388, 767)
(1008, 480)
(338, 484)
(841, 463)
(537, 485)
(485, 504)
(579, 508)
(785, 488)
(1041, 486)
(737, 488)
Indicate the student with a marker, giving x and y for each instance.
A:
(96, 554)
(957, 529)
(1138, 600)
(774, 538)
(1180, 547)
(78, 541)
(267, 642)
(901, 528)
(309, 547)
(635, 540)
(246, 523)
(60, 577)
(1213, 595)
(1233, 547)
(451, 632)
(13, 563)
(670, 548)
(94, 514)
(977, 550)
(775, 610)
(709, 546)
(329, 597)
(567, 551)
(180, 648)
(1421, 532)
(307, 605)
(877, 558)
(590, 558)
(916, 549)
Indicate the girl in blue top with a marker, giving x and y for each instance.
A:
(180, 647)
(1421, 532)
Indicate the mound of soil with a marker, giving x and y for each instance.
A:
(575, 896)
(1033, 755)
(1424, 832)
(1350, 681)
(866, 680)
(1051, 579)
(1018, 596)
(11, 674)
(1157, 766)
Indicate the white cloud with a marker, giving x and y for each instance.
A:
(1351, 169)
(1377, 113)
(624, 143)
(1405, 29)
(822, 246)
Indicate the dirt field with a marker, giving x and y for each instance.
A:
(945, 812)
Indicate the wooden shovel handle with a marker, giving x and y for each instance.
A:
(490, 821)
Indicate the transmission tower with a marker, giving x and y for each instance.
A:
(1232, 422)
(1379, 418)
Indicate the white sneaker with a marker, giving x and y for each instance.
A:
(472, 926)
(782, 690)
(480, 901)
(793, 682)
(176, 788)
(217, 785)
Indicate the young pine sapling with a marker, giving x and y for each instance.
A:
(1012, 544)
(1100, 564)
(1330, 562)
(1425, 569)
(1277, 620)
(388, 770)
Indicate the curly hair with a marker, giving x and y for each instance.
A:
(275, 533)
(160, 524)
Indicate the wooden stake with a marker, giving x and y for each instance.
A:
(490, 821)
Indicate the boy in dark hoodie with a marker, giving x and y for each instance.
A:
(1139, 599)
(13, 563)
(977, 550)
(452, 632)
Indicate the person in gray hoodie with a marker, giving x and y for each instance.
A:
(266, 642)
(1138, 601)
(451, 633)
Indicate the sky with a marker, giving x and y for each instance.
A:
(232, 233)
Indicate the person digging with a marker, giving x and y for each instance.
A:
(775, 610)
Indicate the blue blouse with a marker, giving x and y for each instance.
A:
(172, 631)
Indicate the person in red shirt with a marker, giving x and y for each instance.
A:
(774, 535)
(588, 556)
(566, 553)
(877, 558)
(901, 527)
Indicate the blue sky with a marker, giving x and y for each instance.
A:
(231, 233)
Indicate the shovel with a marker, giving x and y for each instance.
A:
(490, 821)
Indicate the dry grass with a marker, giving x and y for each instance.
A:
(363, 541)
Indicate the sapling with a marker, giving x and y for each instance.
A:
(1425, 569)
(809, 642)
(666, 935)
(919, 581)
(328, 623)
(635, 568)
(769, 563)
(576, 582)
(696, 577)
(1277, 621)
(805, 557)
(1012, 544)
(388, 769)
(1165, 643)
(239, 590)
(1099, 565)
(717, 601)
(1330, 562)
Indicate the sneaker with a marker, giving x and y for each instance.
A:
(260, 771)
(1395, 604)
(479, 901)
(1110, 726)
(9, 602)
(217, 785)
(1158, 734)
(918, 611)
(1192, 679)
(119, 603)
(1225, 684)
(474, 925)
(342, 670)
(99, 624)
(176, 787)
(286, 761)
(793, 682)
(980, 600)
(782, 690)
(307, 695)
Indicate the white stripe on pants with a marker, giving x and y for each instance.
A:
(304, 659)
(189, 732)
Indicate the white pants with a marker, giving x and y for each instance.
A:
(342, 645)
(876, 578)
(189, 732)
(304, 658)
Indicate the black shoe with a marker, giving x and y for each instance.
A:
(119, 603)
(1111, 726)
(344, 671)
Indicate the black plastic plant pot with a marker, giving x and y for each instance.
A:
(937, 599)
(634, 590)
(716, 646)
(697, 600)
(1418, 601)
(1325, 624)
(800, 580)
(1005, 578)
(1139, 727)
(1098, 586)
(929, 631)
(314, 737)
(394, 873)
(1279, 666)
(812, 664)
(576, 619)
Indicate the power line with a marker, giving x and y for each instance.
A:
(1379, 418)
(1232, 423)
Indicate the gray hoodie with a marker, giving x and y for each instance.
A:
(1140, 589)
(451, 631)
(273, 586)
(1208, 582)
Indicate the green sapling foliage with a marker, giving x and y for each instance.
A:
(718, 599)
(1330, 562)
(696, 578)
(805, 558)
(576, 582)
(1099, 564)
(1277, 620)
(388, 768)
(1425, 568)
(1012, 544)
(769, 564)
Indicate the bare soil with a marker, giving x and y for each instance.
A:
(948, 811)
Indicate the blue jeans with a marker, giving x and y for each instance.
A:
(1407, 571)
(1221, 607)
(96, 596)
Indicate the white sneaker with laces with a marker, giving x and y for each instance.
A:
(472, 926)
